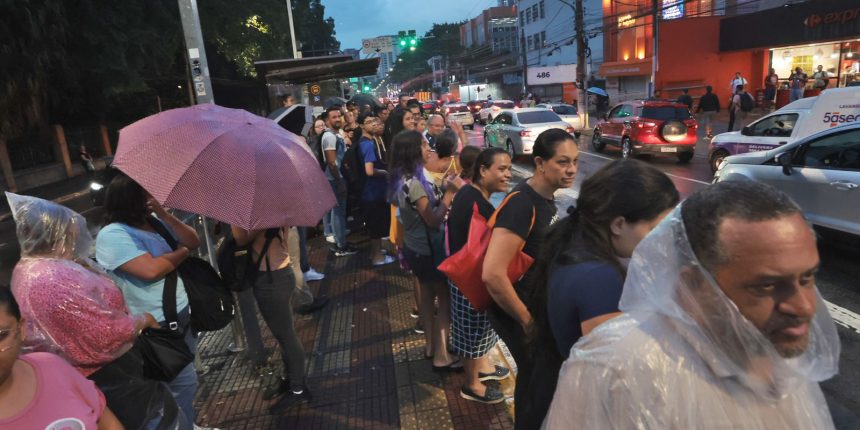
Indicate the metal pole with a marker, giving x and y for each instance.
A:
(195, 51)
(199, 69)
(581, 47)
(655, 58)
(524, 57)
(292, 28)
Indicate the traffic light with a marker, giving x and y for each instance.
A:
(366, 88)
(407, 39)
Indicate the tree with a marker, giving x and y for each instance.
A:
(441, 39)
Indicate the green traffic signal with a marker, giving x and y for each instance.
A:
(402, 42)
(367, 88)
(413, 42)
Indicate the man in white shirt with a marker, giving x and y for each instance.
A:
(723, 326)
(738, 80)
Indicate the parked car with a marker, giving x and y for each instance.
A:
(820, 172)
(475, 107)
(459, 112)
(793, 121)
(516, 130)
(567, 112)
(492, 108)
(430, 107)
(648, 126)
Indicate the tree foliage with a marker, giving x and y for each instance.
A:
(89, 60)
(441, 39)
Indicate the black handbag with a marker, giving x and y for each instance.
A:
(209, 298)
(164, 350)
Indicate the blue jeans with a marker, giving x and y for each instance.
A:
(338, 216)
(796, 94)
(327, 224)
(184, 385)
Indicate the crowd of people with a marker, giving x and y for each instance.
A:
(637, 311)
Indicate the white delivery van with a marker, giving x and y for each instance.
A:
(801, 118)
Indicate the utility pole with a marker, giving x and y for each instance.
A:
(524, 57)
(246, 320)
(292, 28)
(581, 48)
(655, 63)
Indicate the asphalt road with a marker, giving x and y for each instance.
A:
(837, 278)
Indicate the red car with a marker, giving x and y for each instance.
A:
(661, 127)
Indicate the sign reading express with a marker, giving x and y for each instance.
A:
(552, 74)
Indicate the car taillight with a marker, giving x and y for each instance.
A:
(571, 130)
(645, 125)
(525, 133)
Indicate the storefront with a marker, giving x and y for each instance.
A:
(626, 80)
(805, 35)
(840, 60)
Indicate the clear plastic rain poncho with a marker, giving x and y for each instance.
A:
(71, 307)
(683, 357)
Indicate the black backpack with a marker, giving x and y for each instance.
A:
(316, 148)
(211, 303)
(747, 102)
(237, 264)
(354, 167)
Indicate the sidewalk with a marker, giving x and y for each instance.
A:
(365, 365)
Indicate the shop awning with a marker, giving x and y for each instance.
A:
(315, 69)
(625, 68)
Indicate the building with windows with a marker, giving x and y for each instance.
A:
(491, 64)
(705, 42)
(548, 37)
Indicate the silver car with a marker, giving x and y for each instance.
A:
(820, 172)
(567, 113)
(492, 108)
(515, 130)
(461, 113)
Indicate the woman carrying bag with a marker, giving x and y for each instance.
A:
(142, 264)
(472, 337)
(423, 209)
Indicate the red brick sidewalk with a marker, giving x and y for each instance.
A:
(365, 364)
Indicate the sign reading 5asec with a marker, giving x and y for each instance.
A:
(837, 118)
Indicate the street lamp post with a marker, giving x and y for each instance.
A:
(292, 28)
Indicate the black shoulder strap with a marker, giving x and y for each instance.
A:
(162, 231)
(271, 234)
(168, 295)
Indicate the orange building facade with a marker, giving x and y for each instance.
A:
(699, 49)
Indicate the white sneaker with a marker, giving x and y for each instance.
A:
(196, 427)
(313, 275)
(330, 239)
(387, 259)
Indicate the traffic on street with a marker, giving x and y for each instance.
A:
(495, 214)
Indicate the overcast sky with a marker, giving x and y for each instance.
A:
(363, 19)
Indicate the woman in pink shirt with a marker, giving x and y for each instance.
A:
(40, 390)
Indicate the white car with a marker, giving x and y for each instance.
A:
(567, 113)
(493, 107)
(820, 172)
(515, 131)
(461, 113)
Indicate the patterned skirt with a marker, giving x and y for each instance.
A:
(472, 336)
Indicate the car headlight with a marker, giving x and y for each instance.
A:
(95, 186)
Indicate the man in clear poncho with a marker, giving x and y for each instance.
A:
(723, 327)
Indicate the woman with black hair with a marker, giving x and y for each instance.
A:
(139, 259)
(520, 225)
(423, 209)
(580, 272)
(399, 120)
(472, 337)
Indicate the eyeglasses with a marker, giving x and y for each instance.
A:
(7, 336)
